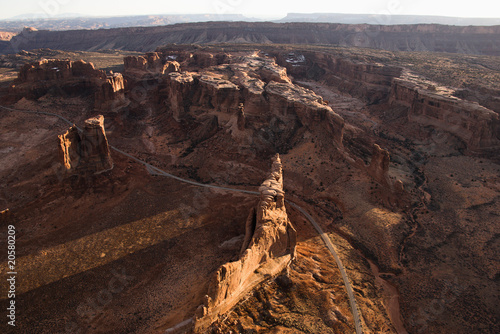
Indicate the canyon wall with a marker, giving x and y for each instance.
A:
(370, 81)
(422, 37)
(151, 64)
(477, 126)
(268, 248)
(251, 96)
(68, 78)
(109, 95)
(88, 151)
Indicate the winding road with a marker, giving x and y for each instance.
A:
(347, 282)
(156, 171)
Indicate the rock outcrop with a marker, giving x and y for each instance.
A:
(6, 35)
(86, 151)
(68, 78)
(110, 95)
(268, 248)
(370, 81)
(478, 127)
(391, 193)
(260, 87)
(150, 65)
(306, 107)
(176, 91)
(379, 165)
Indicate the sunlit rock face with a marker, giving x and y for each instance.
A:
(268, 248)
(67, 78)
(87, 151)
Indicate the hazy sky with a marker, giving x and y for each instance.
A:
(255, 8)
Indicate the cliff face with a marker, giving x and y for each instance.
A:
(308, 108)
(379, 165)
(369, 81)
(268, 248)
(430, 37)
(391, 193)
(68, 78)
(152, 64)
(110, 94)
(477, 126)
(88, 151)
(251, 96)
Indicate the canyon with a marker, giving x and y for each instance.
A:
(397, 163)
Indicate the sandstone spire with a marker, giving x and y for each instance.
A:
(87, 151)
(268, 248)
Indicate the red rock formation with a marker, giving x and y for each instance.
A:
(371, 82)
(477, 126)
(268, 248)
(268, 97)
(206, 59)
(294, 101)
(379, 165)
(88, 151)
(176, 91)
(110, 96)
(150, 65)
(46, 70)
(241, 117)
(391, 194)
(217, 93)
(69, 148)
(66, 77)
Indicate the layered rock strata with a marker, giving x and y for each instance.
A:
(68, 78)
(268, 248)
(370, 81)
(109, 95)
(86, 151)
(272, 104)
(478, 127)
(149, 65)
(418, 37)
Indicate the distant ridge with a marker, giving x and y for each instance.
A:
(421, 37)
(388, 19)
(82, 22)
(71, 21)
